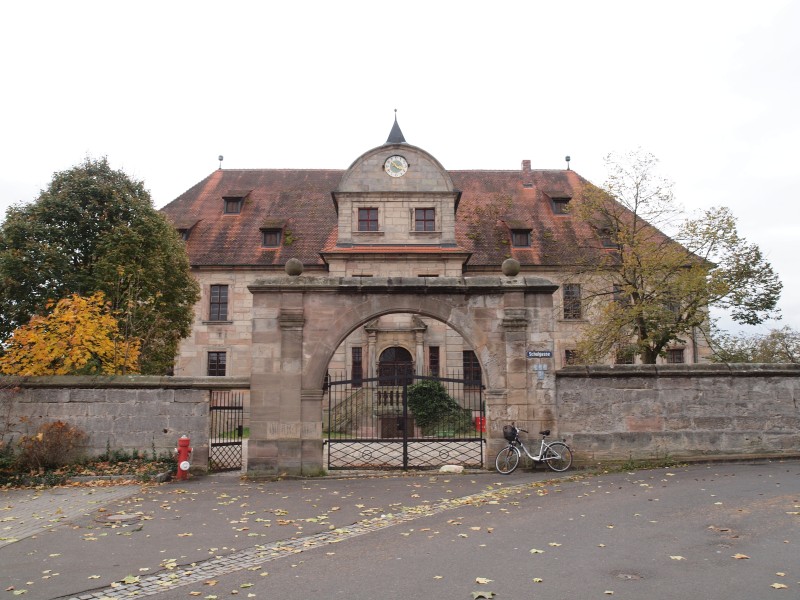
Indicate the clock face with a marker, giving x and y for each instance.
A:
(395, 166)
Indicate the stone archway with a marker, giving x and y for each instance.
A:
(299, 321)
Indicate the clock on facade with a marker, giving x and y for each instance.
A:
(395, 166)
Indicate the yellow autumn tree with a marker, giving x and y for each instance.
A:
(79, 336)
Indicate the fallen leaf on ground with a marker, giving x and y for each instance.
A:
(740, 556)
(677, 558)
(777, 586)
(482, 580)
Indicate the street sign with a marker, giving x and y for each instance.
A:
(540, 354)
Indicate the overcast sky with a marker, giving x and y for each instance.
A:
(162, 88)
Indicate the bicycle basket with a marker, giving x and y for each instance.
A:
(509, 432)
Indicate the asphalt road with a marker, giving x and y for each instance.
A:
(723, 531)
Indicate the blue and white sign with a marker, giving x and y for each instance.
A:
(540, 354)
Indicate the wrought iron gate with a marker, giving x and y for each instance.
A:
(370, 424)
(227, 431)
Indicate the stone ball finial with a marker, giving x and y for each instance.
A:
(293, 267)
(510, 267)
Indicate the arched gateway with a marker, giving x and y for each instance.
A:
(300, 321)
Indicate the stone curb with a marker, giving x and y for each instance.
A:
(158, 478)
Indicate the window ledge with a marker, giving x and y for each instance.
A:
(415, 232)
(217, 322)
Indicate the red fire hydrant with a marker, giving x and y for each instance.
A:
(184, 451)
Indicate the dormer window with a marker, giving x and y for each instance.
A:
(561, 206)
(270, 238)
(184, 228)
(521, 238)
(233, 201)
(233, 206)
(606, 237)
(520, 233)
(272, 233)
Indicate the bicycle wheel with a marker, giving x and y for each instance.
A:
(558, 456)
(507, 460)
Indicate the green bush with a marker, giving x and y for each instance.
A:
(8, 457)
(432, 407)
(458, 422)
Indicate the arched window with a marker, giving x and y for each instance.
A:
(395, 366)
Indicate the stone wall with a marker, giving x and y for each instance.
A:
(121, 413)
(680, 411)
(606, 413)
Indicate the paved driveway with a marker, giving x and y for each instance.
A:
(728, 531)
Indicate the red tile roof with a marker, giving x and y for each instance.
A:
(301, 200)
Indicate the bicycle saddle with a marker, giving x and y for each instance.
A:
(545, 432)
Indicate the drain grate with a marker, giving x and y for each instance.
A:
(627, 576)
(119, 518)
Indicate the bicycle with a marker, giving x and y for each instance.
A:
(557, 455)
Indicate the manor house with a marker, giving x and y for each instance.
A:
(395, 212)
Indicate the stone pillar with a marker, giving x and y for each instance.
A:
(420, 352)
(276, 414)
(498, 413)
(372, 366)
(514, 326)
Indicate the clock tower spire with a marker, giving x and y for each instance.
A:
(395, 135)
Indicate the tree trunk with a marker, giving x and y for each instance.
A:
(649, 356)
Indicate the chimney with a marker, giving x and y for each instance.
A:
(527, 175)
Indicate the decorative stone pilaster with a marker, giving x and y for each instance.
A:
(515, 319)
